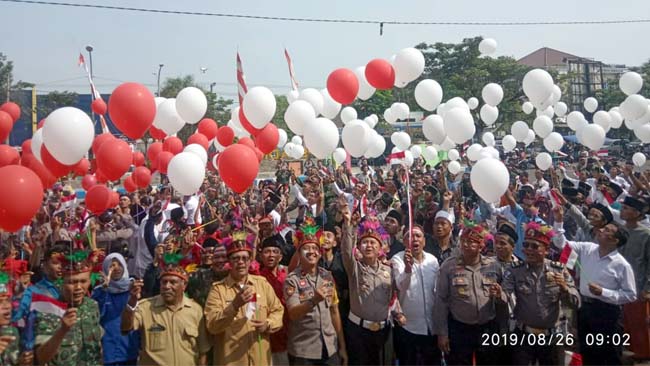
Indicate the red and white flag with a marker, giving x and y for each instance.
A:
(241, 81)
(66, 203)
(47, 305)
(294, 83)
(82, 61)
(251, 308)
(568, 257)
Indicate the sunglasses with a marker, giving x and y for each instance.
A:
(530, 244)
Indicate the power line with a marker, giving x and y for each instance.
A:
(331, 20)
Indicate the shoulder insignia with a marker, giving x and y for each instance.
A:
(517, 264)
(557, 265)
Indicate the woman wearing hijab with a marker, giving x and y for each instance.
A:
(112, 297)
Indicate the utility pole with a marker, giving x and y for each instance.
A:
(89, 48)
(160, 66)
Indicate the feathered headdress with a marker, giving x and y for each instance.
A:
(172, 266)
(370, 227)
(308, 232)
(540, 233)
(82, 261)
(238, 241)
(475, 232)
(5, 288)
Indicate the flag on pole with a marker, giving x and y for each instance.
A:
(47, 305)
(241, 81)
(568, 257)
(294, 83)
(82, 61)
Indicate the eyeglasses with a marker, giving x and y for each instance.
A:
(237, 259)
(531, 244)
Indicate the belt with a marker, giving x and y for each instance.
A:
(535, 331)
(367, 324)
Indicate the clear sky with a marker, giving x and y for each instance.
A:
(44, 41)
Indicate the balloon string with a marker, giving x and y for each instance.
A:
(410, 208)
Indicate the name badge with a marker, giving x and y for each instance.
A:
(156, 328)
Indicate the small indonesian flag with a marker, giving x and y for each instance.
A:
(572, 358)
(395, 158)
(251, 308)
(569, 257)
(66, 203)
(82, 61)
(47, 305)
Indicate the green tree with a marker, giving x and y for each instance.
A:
(282, 104)
(54, 100)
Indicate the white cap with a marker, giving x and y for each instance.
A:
(449, 216)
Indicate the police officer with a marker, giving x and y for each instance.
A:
(466, 293)
(370, 288)
(315, 330)
(538, 285)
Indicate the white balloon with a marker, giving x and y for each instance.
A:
(451, 104)
(590, 104)
(400, 110)
(548, 112)
(616, 119)
(198, 150)
(282, 140)
(331, 107)
(492, 94)
(560, 109)
(447, 145)
(434, 129)
(489, 152)
(348, 114)
(519, 130)
(37, 142)
(186, 172)
(409, 64)
(402, 140)
(453, 154)
(538, 85)
(474, 152)
(292, 96)
(509, 143)
(288, 149)
(527, 107)
(388, 117)
(472, 103)
(487, 46)
(365, 89)
(553, 142)
(158, 100)
(430, 153)
(593, 136)
(68, 133)
(296, 140)
(169, 121)
(428, 94)
(234, 116)
(642, 133)
(639, 121)
(321, 138)
(530, 138)
(191, 104)
(633, 107)
(489, 114)
(603, 119)
(298, 151)
(299, 115)
(543, 161)
(376, 147)
(542, 125)
(630, 83)
(339, 155)
(219, 148)
(259, 106)
(314, 97)
(454, 167)
(575, 119)
(371, 121)
(639, 159)
(490, 179)
(355, 137)
(416, 150)
(556, 94)
(459, 125)
(488, 139)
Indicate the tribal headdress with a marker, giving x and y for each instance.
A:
(370, 227)
(6, 289)
(539, 233)
(475, 232)
(81, 261)
(238, 241)
(308, 232)
(172, 267)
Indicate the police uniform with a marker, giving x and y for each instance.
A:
(313, 336)
(464, 310)
(537, 308)
(370, 298)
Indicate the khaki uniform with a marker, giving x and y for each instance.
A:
(237, 341)
(170, 336)
(308, 335)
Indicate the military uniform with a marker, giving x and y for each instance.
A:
(464, 310)
(537, 308)
(370, 297)
(82, 344)
(11, 355)
(200, 283)
(312, 337)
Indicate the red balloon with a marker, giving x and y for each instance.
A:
(208, 127)
(53, 165)
(13, 109)
(115, 199)
(100, 140)
(114, 158)
(200, 139)
(156, 133)
(173, 144)
(81, 168)
(46, 177)
(40, 124)
(259, 155)
(8, 156)
(129, 185)
(138, 158)
(153, 151)
(132, 109)
(26, 147)
(163, 161)
(6, 124)
(238, 167)
(21, 197)
(268, 139)
(246, 141)
(380, 74)
(141, 177)
(98, 198)
(343, 85)
(247, 125)
(99, 106)
(88, 181)
(225, 136)
(101, 177)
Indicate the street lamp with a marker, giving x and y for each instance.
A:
(160, 66)
(90, 48)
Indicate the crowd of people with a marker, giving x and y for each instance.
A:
(391, 265)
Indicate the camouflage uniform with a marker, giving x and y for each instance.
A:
(11, 355)
(200, 283)
(82, 345)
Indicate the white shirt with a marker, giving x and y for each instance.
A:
(612, 272)
(542, 187)
(191, 206)
(416, 291)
